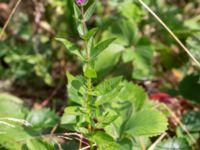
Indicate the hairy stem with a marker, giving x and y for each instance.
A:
(89, 80)
(84, 32)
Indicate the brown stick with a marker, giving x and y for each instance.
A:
(152, 147)
(142, 143)
(9, 18)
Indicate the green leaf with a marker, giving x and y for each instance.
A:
(126, 144)
(104, 141)
(100, 47)
(124, 110)
(192, 121)
(102, 65)
(107, 86)
(133, 93)
(106, 118)
(70, 115)
(142, 62)
(89, 12)
(75, 87)
(174, 144)
(146, 123)
(89, 71)
(109, 116)
(109, 97)
(80, 29)
(90, 33)
(128, 55)
(37, 144)
(14, 138)
(11, 106)
(42, 118)
(189, 87)
(42, 71)
(71, 47)
(131, 11)
(77, 11)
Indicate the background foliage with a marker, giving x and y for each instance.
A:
(33, 66)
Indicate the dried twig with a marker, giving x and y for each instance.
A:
(87, 147)
(153, 146)
(9, 18)
(142, 143)
(80, 142)
(54, 129)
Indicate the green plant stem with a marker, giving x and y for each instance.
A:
(89, 80)
(84, 32)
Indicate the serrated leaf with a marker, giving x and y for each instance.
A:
(109, 97)
(100, 47)
(133, 93)
(107, 85)
(89, 12)
(146, 123)
(71, 47)
(107, 91)
(174, 144)
(106, 118)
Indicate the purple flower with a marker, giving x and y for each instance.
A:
(80, 2)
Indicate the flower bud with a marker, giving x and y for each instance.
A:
(80, 2)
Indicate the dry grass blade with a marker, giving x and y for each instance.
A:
(21, 121)
(87, 147)
(153, 146)
(9, 18)
(7, 124)
(171, 33)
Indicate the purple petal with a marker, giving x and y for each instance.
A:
(80, 2)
